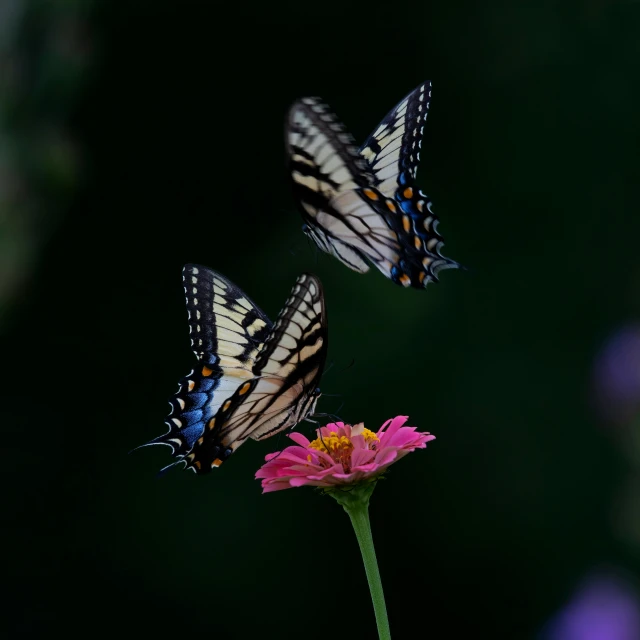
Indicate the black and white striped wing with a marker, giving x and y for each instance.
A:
(334, 187)
(283, 391)
(227, 331)
(393, 149)
(393, 153)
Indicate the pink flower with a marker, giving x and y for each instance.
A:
(341, 455)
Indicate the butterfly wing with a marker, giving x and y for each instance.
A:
(227, 331)
(369, 212)
(331, 181)
(393, 149)
(393, 153)
(283, 391)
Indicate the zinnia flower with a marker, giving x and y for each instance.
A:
(341, 455)
(347, 461)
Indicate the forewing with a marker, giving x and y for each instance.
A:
(331, 182)
(323, 157)
(226, 327)
(227, 330)
(393, 149)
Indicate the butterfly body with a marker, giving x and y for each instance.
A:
(361, 205)
(254, 378)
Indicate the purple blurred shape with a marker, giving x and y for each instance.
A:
(617, 376)
(605, 607)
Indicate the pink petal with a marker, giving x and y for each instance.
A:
(337, 468)
(268, 487)
(367, 468)
(361, 456)
(344, 476)
(390, 427)
(386, 456)
(301, 482)
(406, 437)
(325, 457)
(300, 439)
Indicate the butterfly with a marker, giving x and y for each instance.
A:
(362, 205)
(254, 378)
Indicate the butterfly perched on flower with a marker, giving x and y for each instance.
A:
(362, 205)
(254, 378)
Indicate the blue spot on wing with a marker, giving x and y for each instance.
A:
(191, 434)
(196, 400)
(191, 409)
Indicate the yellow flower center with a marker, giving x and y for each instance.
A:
(370, 438)
(340, 447)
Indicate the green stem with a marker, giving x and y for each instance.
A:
(356, 504)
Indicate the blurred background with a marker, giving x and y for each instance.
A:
(138, 135)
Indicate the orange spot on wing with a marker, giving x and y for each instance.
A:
(391, 206)
(408, 192)
(420, 205)
(417, 242)
(200, 440)
(406, 223)
(245, 387)
(206, 371)
(372, 195)
(426, 261)
(197, 464)
(212, 423)
(216, 463)
(225, 406)
(405, 280)
(422, 276)
(191, 385)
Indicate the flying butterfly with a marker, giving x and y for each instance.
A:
(362, 205)
(254, 378)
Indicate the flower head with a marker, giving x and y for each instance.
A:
(341, 455)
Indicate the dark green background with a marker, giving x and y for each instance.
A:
(532, 159)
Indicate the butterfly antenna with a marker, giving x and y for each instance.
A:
(333, 416)
(353, 361)
(293, 248)
(336, 415)
(328, 368)
(276, 456)
(278, 446)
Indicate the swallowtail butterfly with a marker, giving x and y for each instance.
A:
(362, 205)
(254, 378)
